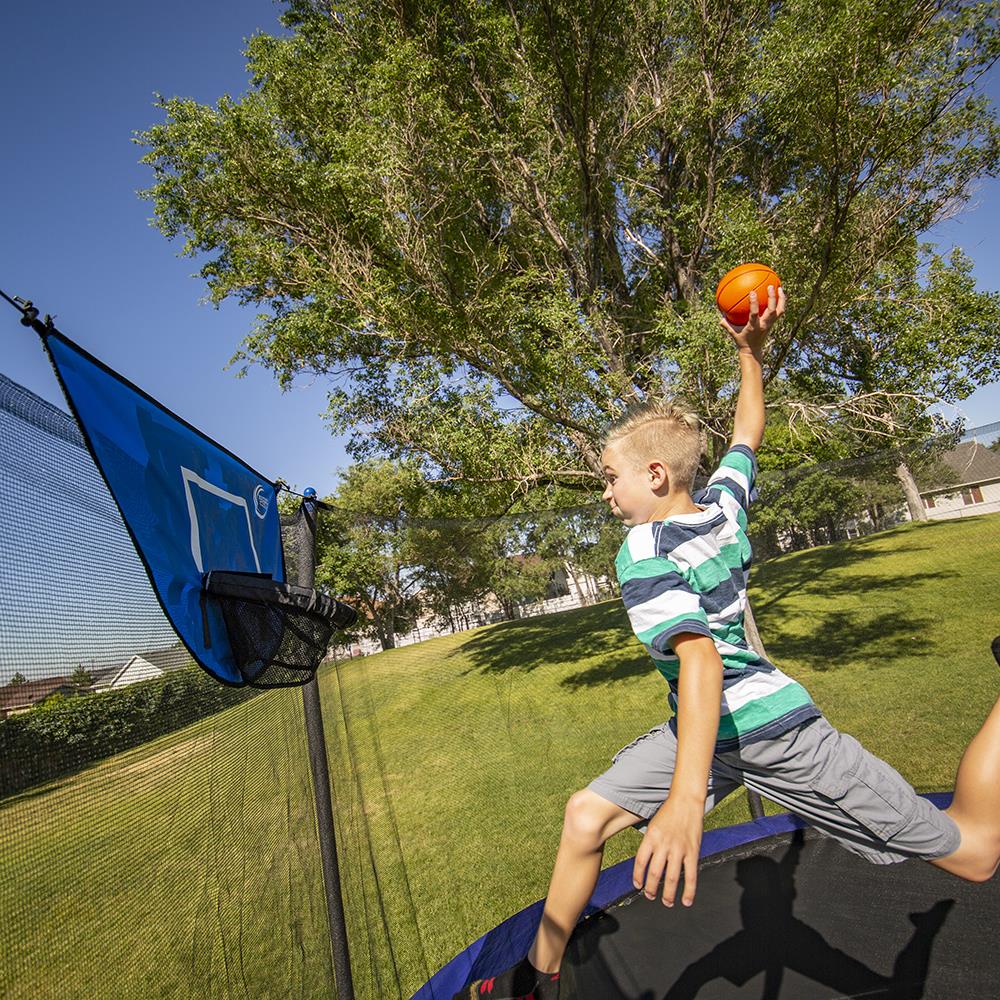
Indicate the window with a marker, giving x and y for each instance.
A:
(928, 502)
(972, 494)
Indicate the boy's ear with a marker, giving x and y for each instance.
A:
(659, 476)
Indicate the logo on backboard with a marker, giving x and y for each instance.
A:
(261, 501)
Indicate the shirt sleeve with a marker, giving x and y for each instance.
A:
(661, 603)
(736, 475)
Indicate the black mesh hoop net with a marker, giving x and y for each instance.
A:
(279, 633)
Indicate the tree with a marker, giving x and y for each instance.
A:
(493, 225)
(17, 680)
(364, 549)
(81, 676)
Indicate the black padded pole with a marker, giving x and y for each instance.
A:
(756, 806)
(320, 766)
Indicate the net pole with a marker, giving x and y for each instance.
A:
(320, 767)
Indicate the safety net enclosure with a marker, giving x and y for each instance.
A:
(158, 833)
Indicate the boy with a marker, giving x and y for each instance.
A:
(738, 720)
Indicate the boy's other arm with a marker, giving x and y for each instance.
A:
(672, 841)
(748, 425)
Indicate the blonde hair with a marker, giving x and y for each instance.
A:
(664, 430)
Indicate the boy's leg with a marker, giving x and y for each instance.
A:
(837, 786)
(589, 822)
(832, 782)
(627, 794)
(976, 805)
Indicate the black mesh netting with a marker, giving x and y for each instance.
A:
(279, 633)
(157, 830)
(274, 646)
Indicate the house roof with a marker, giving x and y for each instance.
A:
(165, 660)
(174, 658)
(32, 692)
(971, 463)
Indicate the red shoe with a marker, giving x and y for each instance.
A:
(520, 982)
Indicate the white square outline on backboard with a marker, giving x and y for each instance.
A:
(190, 477)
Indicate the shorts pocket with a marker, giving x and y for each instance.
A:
(867, 789)
(655, 731)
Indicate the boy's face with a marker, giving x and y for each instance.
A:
(632, 487)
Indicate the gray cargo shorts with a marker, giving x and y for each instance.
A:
(824, 776)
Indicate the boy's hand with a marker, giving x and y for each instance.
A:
(752, 336)
(671, 845)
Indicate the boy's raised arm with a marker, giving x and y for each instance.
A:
(748, 426)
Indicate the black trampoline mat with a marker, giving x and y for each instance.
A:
(796, 916)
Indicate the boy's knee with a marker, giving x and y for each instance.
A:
(586, 818)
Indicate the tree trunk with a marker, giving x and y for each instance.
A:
(387, 631)
(913, 502)
(575, 583)
(753, 636)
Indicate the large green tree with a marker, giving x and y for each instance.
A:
(492, 225)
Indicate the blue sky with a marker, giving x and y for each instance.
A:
(77, 80)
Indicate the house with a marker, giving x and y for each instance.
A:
(976, 485)
(143, 667)
(16, 698)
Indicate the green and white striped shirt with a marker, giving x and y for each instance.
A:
(688, 574)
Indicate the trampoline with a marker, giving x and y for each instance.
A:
(782, 912)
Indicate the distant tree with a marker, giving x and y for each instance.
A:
(81, 676)
(17, 680)
(364, 550)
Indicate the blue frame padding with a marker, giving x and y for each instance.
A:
(508, 943)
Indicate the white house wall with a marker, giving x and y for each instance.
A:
(948, 506)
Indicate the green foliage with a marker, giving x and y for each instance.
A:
(492, 226)
(65, 734)
(17, 679)
(364, 546)
(808, 505)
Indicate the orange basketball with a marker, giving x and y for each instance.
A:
(733, 294)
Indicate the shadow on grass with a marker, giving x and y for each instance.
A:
(563, 638)
(840, 636)
(890, 623)
(830, 637)
(18, 798)
(810, 571)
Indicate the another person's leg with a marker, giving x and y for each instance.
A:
(976, 805)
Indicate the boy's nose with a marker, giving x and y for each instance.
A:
(607, 492)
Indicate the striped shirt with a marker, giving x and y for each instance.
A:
(688, 574)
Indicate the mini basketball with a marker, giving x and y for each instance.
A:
(733, 294)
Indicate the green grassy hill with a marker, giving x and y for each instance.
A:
(188, 867)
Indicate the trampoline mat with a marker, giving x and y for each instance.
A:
(796, 916)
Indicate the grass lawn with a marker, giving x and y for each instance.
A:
(187, 867)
